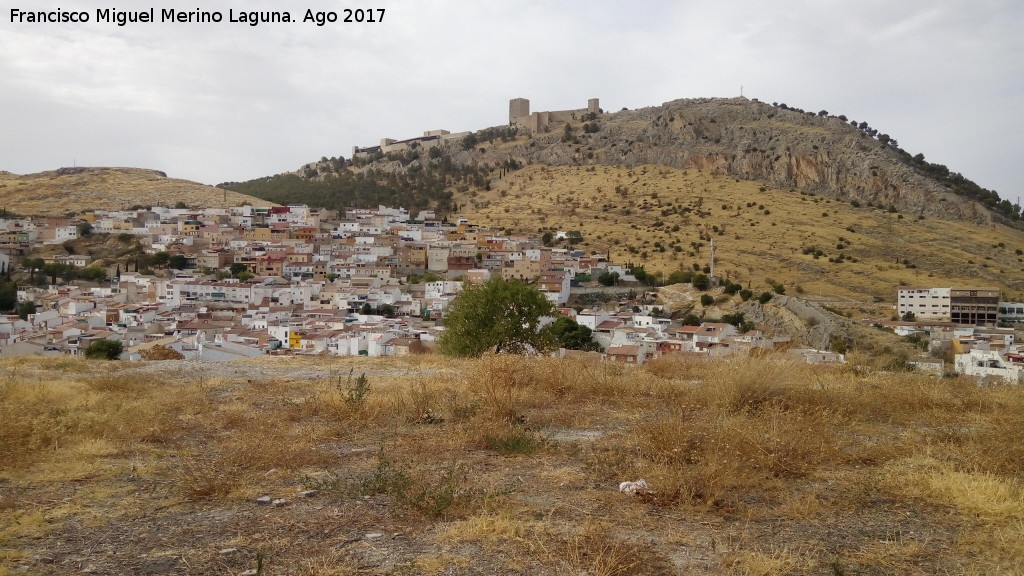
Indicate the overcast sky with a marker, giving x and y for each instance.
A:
(230, 102)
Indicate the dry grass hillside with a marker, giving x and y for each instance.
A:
(504, 466)
(658, 216)
(73, 190)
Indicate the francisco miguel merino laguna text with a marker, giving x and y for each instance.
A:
(252, 18)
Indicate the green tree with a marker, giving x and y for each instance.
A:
(85, 229)
(706, 300)
(157, 259)
(691, 319)
(572, 335)
(764, 297)
(608, 278)
(237, 268)
(91, 273)
(503, 315)
(33, 265)
(178, 262)
(8, 295)
(680, 277)
(104, 350)
(26, 308)
(700, 281)
(738, 321)
(567, 133)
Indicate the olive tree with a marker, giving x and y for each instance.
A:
(500, 315)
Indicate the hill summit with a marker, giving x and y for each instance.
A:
(777, 145)
(774, 144)
(73, 189)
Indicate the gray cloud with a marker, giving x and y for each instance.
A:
(216, 102)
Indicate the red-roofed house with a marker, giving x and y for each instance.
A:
(628, 354)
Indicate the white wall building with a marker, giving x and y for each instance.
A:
(924, 303)
(987, 363)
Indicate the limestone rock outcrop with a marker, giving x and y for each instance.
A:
(749, 140)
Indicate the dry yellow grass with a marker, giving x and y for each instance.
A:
(53, 193)
(504, 465)
(758, 235)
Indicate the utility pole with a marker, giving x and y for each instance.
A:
(712, 267)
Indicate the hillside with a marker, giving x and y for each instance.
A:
(780, 146)
(71, 190)
(664, 218)
(815, 201)
(504, 465)
(750, 140)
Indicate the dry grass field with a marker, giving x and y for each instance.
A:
(760, 233)
(71, 190)
(504, 465)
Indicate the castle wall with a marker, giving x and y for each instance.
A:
(520, 117)
(429, 138)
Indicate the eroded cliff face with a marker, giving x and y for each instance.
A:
(748, 140)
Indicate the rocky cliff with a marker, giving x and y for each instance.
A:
(749, 140)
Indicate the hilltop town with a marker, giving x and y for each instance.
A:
(250, 281)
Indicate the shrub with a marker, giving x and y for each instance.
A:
(104, 350)
(700, 281)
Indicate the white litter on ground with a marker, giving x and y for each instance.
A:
(638, 487)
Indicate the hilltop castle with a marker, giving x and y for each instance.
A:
(519, 115)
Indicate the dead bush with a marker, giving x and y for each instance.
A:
(161, 352)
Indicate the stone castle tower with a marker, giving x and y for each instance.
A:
(519, 115)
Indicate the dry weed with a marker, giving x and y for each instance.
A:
(777, 446)
(501, 382)
(766, 563)
(494, 530)
(596, 550)
(714, 454)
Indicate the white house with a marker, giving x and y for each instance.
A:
(987, 364)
